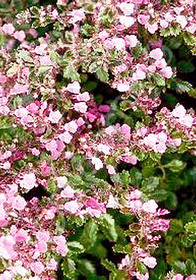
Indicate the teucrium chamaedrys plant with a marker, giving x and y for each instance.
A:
(93, 135)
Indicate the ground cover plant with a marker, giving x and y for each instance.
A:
(97, 140)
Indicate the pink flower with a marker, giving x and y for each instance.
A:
(178, 277)
(83, 97)
(143, 19)
(191, 277)
(112, 202)
(29, 181)
(150, 206)
(181, 20)
(126, 8)
(156, 54)
(123, 86)
(73, 87)
(149, 262)
(81, 107)
(61, 181)
(61, 243)
(19, 203)
(21, 236)
(52, 265)
(97, 162)
(68, 192)
(127, 21)
(8, 28)
(72, 206)
(55, 116)
(94, 204)
(152, 28)
(37, 267)
(131, 41)
(179, 111)
(19, 35)
(167, 72)
(71, 126)
(119, 43)
(35, 152)
(111, 169)
(77, 15)
(66, 137)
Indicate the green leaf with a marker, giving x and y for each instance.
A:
(175, 165)
(189, 39)
(108, 265)
(190, 227)
(70, 73)
(75, 247)
(102, 75)
(69, 268)
(107, 224)
(89, 234)
(150, 184)
(93, 67)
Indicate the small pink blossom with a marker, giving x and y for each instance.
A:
(55, 116)
(35, 152)
(143, 19)
(119, 43)
(29, 181)
(37, 267)
(152, 28)
(83, 97)
(19, 203)
(131, 41)
(167, 72)
(81, 107)
(68, 192)
(150, 206)
(19, 35)
(126, 8)
(156, 54)
(127, 21)
(111, 169)
(72, 206)
(8, 28)
(123, 86)
(97, 162)
(149, 262)
(178, 277)
(66, 137)
(73, 87)
(181, 20)
(112, 202)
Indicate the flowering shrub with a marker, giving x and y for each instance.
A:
(97, 147)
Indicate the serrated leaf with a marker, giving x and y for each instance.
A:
(76, 247)
(190, 227)
(89, 234)
(71, 73)
(68, 267)
(189, 39)
(102, 75)
(107, 224)
(175, 165)
(108, 265)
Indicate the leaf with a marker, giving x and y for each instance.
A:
(175, 165)
(86, 268)
(102, 75)
(75, 247)
(150, 184)
(69, 268)
(189, 39)
(190, 227)
(158, 80)
(109, 265)
(93, 67)
(70, 73)
(89, 234)
(107, 224)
